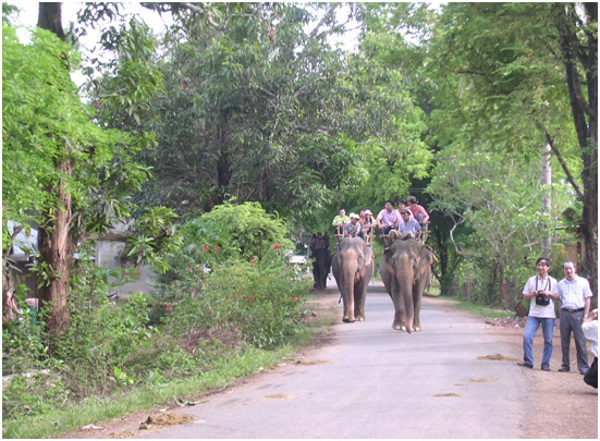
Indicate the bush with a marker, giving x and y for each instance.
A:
(261, 301)
(243, 231)
(230, 287)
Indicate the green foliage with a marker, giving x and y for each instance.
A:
(250, 296)
(243, 231)
(261, 301)
(156, 240)
(44, 123)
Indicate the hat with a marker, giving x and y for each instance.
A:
(368, 212)
(354, 216)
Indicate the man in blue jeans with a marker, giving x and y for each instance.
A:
(541, 291)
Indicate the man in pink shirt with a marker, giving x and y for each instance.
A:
(388, 218)
(417, 210)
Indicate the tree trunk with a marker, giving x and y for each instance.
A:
(546, 200)
(57, 249)
(54, 239)
(585, 117)
(263, 183)
(223, 165)
(49, 17)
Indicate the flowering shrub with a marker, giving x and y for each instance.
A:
(261, 301)
(243, 231)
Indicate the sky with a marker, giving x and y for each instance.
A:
(29, 14)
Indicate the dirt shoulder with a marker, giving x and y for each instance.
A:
(562, 406)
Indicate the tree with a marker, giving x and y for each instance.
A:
(578, 42)
(78, 170)
(252, 109)
(502, 88)
(49, 141)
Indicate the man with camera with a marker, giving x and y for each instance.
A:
(541, 291)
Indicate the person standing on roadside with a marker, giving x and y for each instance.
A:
(590, 330)
(575, 294)
(541, 291)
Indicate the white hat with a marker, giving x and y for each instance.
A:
(354, 216)
(368, 212)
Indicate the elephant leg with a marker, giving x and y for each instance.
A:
(399, 313)
(347, 289)
(360, 295)
(417, 296)
(418, 291)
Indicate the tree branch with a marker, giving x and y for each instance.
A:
(456, 248)
(563, 164)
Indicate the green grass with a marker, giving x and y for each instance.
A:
(478, 310)
(99, 410)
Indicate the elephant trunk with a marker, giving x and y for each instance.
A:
(349, 269)
(405, 280)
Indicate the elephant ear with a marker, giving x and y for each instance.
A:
(432, 256)
(426, 259)
(369, 256)
(365, 257)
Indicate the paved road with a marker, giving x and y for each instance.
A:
(374, 382)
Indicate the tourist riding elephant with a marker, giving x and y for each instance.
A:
(352, 267)
(405, 269)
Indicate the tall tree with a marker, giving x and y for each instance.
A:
(80, 171)
(253, 109)
(503, 87)
(578, 42)
(55, 242)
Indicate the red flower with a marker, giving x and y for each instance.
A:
(250, 298)
(201, 278)
(188, 268)
(275, 246)
(218, 248)
(168, 308)
(295, 299)
(254, 260)
(205, 247)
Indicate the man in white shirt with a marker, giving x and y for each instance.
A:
(541, 291)
(575, 295)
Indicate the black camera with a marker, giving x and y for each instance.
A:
(541, 300)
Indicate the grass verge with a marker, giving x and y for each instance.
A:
(478, 310)
(96, 411)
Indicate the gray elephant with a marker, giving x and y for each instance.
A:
(405, 269)
(319, 247)
(352, 267)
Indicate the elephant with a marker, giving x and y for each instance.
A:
(321, 266)
(352, 267)
(319, 247)
(405, 269)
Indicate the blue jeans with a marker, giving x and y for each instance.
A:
(531, 328)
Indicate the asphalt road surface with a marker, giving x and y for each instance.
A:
(374, 382)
